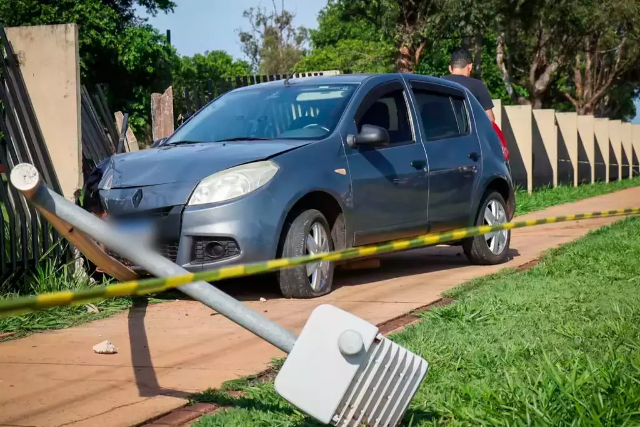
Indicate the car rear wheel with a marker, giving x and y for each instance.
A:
(492, 248)
(308, 234)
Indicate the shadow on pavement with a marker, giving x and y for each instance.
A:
(144, 372)
(392, 266)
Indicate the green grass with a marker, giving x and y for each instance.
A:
(556, 345)
(51, 278)
(549, 196)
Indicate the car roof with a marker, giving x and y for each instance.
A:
(348, 79)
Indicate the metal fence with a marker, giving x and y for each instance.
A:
(26, 238)
(199, 94)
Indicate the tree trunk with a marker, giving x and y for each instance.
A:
(501, 61)
(405, 60)
(477, 59)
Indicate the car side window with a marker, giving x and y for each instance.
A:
(442, 116)
(389, 112)
(460, 110)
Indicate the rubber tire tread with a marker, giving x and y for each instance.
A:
(294, 282)
(476, 248)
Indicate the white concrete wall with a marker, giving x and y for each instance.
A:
(48, 57)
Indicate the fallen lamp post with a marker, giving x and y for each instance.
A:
(340, 370)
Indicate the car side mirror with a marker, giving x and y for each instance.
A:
(372, 136)
(158, 142)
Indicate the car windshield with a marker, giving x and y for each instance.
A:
(271, 112)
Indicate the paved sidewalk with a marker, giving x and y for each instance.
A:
(170, 350)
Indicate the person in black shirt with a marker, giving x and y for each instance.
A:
(460, 68)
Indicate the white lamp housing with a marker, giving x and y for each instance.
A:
(342, 371)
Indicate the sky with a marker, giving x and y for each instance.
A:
(200, 25)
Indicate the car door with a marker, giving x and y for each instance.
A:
(389, 183)
(453, 152)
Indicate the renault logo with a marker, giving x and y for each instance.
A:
(137, 198)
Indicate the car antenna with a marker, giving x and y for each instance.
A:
(286, 81)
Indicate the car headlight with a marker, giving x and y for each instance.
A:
(106, 181)
(234, 182)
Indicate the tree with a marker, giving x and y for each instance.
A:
(609, 50)
(348, 42)
(411, 24)
(195, 71)
(350, 56)
(274, 45)
(535, 40)
(116, 48)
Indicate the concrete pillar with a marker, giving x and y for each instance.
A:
(518, 130)
(615, 156)
(601, 131)
(567, 147)
(497, 111)
(49, 61)
(586, 149)
(131, 144)
(627, 154)
(635, 158)
(162, 114)
(545, 148)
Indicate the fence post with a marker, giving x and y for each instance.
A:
(545, 148)
(162, 114)
(635, 157)
(616, 149)
(132, 142)
(627, 154)
(518, 131)
(601, 131)
(586, 149)
(568, 144)
(55, 96)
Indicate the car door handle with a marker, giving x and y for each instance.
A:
(474, 156)
(419, 164)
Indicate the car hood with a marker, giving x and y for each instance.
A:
(189, 163)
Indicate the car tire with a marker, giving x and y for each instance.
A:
(300, 282)
(486, 251)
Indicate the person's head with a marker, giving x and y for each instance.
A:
(461, 62)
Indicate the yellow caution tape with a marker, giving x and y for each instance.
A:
(140, 287)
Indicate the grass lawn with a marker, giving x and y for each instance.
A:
(556, 345)
(52, 279)
(549, 196)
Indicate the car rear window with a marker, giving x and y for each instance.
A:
(442, 116)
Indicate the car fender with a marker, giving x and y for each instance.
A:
(318, 167)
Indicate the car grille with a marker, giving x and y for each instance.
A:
(167, 221)
(169, 250)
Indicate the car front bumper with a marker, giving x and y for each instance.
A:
(243, 230)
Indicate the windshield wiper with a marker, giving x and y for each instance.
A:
(244, 138)
(185, 142)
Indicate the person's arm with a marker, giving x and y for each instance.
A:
(486, 102)
(490, 114)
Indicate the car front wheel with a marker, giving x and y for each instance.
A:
(491, 248)
(308, 234)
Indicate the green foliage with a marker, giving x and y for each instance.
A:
(350, 56)
(116, 48)
(194, 72)
(274, 45)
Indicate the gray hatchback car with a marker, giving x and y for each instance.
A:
(310, 165)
